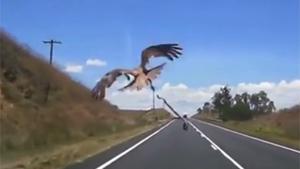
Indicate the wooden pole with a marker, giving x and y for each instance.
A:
(51, 42)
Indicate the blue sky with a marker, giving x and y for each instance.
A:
(225, 42)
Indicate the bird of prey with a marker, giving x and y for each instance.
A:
(107, 80)
(143, 76)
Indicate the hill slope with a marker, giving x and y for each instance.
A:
(148, 115)
(28, 122)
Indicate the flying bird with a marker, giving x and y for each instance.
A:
(143, 76)
(107, 80)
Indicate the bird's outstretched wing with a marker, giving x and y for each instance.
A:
(114, 74)
(170, 51)
(98, 92)
(107, 80)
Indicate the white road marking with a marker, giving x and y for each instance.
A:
(254, 138)
(109, 162)
(212, 146)
(216, 146)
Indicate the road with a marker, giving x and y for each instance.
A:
(202, 146)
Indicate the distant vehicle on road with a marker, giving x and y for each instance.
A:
(185, 125)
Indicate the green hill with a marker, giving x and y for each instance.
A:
(28, 122)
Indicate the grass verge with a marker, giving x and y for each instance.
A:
(260, 130)
(67, 154)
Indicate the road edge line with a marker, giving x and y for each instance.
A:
(216, 146)
(252, 137)
(109, 162)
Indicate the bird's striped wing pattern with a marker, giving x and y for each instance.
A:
(170, 51)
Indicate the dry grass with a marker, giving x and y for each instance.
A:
(282, 127)
(289, 121)
(76, 152)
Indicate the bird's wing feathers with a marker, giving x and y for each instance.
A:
(98, 92)
(114, 74)
(170, 51)
(107, 80)
(154, 72)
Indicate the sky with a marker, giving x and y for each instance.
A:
(250, 45)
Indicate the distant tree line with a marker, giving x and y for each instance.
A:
(239, 107)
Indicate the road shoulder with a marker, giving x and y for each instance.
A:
(78, 152)
(252, 135)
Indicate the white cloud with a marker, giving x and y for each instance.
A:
(73, 68)
(186, 99)
(95, 62)
(284, 94)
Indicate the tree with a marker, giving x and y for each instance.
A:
(241, 108)
(206, 107)
(222, 101)
(254, 102)
(240, 111)
(271, 107)
(227, 98)
(260, 103)
(246, 98)
(238, 99)
(199, 110)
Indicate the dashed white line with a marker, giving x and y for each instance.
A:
(109, 162)
(251, 137)
(214, 146)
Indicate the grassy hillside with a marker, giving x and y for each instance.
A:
(29, 123)
(282, 127)
(148, 115)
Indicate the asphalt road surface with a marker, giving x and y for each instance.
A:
(203, 146)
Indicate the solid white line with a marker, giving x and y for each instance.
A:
(109, 162)
(254, 138)
(216, 146)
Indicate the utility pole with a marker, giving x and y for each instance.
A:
(51, 42)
